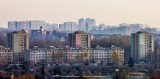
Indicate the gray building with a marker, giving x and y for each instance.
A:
(142, 46)
(30, 25)
(18, 41)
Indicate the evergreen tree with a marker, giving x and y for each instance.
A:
(43, 71)
(131, 62)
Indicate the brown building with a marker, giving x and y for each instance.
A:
(79, 39)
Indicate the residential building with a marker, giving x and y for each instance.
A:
(6, 55)
(30, 25)
(12, 25)
(50, 53)
(79, 55)
(137, 75)
(35, 55)
(72, 55)
(18, 41)
(61, 27)
(81, 23)
(105, 54)
(100, 54)
(38, 35)
(116, 53)
(56, 55)
(142, 46)
(54, 27)
(86, 25)
(157, 48)
(79, 39)
(71, 26)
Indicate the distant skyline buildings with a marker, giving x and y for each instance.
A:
(57, 23)
(110, 12)
(68, 26)
(37, 35)
(88, 25)
(82, 24)
(30, 25)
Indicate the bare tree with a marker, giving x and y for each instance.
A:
(81, 57)
(115, 58)
(58, 57)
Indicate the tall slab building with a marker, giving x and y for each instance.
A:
(18, 41)
(142, 46)
(79, 39)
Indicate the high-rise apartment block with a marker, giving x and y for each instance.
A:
(18, 41)
(142, 46)
(68, 27)
(79, 39)
(71, 26)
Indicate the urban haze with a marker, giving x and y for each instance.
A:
(79, 39)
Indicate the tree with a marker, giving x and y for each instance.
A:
(115, 58)
(124, 74)
(57, 70)
(131, 62)
(58, 57)
(155, 75)
(121, 41)
(43, 70)
(25, 65)
(116, 76)
(81, 57)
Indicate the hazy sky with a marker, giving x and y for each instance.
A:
(110, 12)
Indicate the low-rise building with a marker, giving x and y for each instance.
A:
(116, 53)
(106, 54)
(56, 55)
(73, 55)
(35, 55)
(137, 75)
(100, 54)
(79, 55)
(6, 55)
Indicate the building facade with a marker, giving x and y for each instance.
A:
(6, 55)
(35, 55)
(38, 35)
(72, 55)
(70, 26)
(80, 55)
(105, 54)
(30, 25)
(86, 24)
(18, 41)
(79, 39)
(142, 46)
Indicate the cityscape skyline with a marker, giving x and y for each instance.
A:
(104, 11)
(79, 39)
